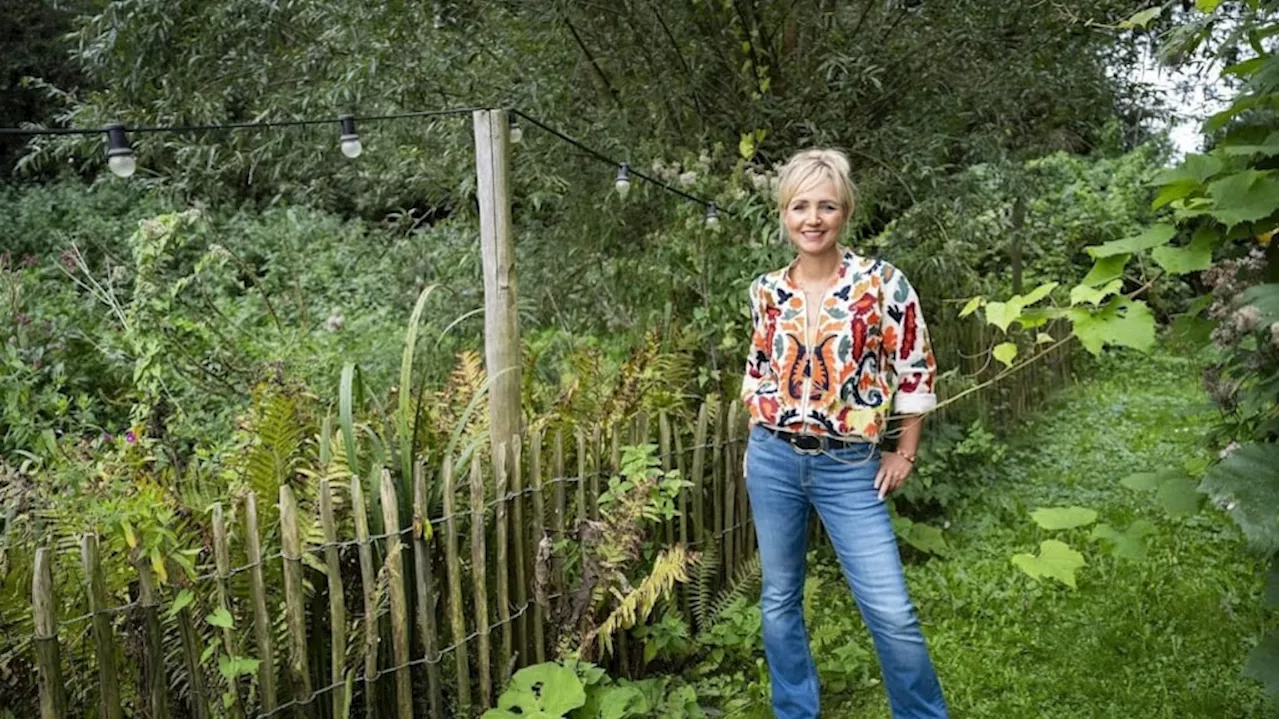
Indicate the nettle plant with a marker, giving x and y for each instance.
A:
(1216, 230)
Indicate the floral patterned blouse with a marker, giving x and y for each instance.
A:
(871, 345)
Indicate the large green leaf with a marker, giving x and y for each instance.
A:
(1194, 168)
(1084, 293)
(1244, 197)
(1064, 517)
(1005, 352)
(1261, 663)
(1195, 257)
(1245, 484)
(1002, 314)
(1153, 236)
(546, 689)
(1265, 298)
(1178, 496)
(1123, 322)
(1106, 269)
(1130, 544)
(1269, 146)
(1056, 561)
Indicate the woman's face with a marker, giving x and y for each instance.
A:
(814, 218)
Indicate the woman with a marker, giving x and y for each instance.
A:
(837, 342)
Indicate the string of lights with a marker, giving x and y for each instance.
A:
(122, 162)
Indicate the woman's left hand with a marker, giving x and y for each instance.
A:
(894, 469)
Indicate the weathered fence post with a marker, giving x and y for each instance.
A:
(294, 600)
(664, 454)
(258, 594)
(424, 576)
(399, 606)
(153, 642)
(498, 257)
(108, 682)
(222, 561)
(583, 514)
(699, 458)
(457, 623)
(522, 552)
(337, 602)
(540, 532)
(479, 572)
(53, 700)
(365, 550)
(502, 571)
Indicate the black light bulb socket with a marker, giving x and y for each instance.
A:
(347, 123)
(118, 141)
(711, 211)
(624, 173)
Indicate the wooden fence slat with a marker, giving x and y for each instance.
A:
(561, 582)
(454, 567)
(367, 582)
(479, 575)
(153, 673)
(664, 454)
(730, 472)
(539, 533)
(104, 642)
(295, 600)
(699, 459)
(717, 482)
(399, 606)
(53, 700)
(258, 596)
(582, 512)
(682, 525)
(198, 697)
(615, 465)
(222, 561)
(424, 578)
(337, 602)
(501, 572)
(522, 552)
(596, 473)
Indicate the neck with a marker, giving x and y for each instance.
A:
(817, 268)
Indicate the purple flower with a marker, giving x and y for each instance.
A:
(107, 436)
(130, 437)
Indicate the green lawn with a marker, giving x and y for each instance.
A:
(1161, 637)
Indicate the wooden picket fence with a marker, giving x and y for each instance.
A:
(456, 627)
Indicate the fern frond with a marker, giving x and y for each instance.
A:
(701, 596)
(670, 567)
(745, 580)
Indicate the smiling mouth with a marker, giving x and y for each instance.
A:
(814, 234)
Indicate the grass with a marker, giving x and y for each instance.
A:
(1161, 637)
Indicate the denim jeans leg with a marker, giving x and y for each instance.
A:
(858, 524)
(780, 508)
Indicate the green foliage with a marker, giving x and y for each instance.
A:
(1055, 561)
(1064, 517)
(580, 690)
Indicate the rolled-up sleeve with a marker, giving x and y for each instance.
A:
(914, 368)
(758, 379)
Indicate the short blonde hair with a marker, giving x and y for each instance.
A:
(814, 166)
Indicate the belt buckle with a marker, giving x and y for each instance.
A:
(808, 444)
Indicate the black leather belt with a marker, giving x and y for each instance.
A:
(810, 443)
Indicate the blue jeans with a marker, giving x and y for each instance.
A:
(782, 486)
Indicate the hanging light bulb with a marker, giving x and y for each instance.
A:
(350, 140)
(623, 183)
(713, 219)
(514, 129)
(119, 152)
